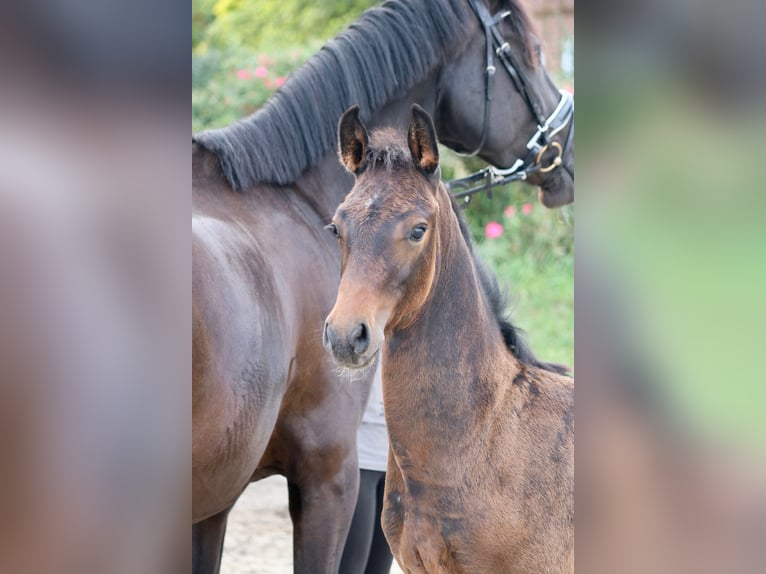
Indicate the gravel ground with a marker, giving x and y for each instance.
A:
(259, 532)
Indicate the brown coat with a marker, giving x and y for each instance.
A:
(481, 466)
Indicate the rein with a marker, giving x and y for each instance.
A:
(489, 177)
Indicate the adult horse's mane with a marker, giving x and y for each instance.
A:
(378, 58)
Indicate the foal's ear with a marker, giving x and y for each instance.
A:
(352, 140)
(421, 137)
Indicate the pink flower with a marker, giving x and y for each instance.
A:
(526, 209)
(261, 72)
(493, 230)
(280, 81)
(243, 74)
(510, 211)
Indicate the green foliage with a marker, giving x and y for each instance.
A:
(540, 233)
(230, 84)
(278, 24)
(202, 17)
(534, 262)
(233, 39)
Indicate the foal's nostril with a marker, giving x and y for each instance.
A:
(360, 338)
(326, 335)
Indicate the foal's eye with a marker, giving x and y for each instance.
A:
(418, 232)
(332, 227)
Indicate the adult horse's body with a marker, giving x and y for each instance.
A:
(266, 398)
(481, 465)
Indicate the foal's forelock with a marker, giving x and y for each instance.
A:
(388, 157)
(390, 188)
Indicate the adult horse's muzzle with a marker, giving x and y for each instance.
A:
(350, 347)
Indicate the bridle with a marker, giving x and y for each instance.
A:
(547, 127)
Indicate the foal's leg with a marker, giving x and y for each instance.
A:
(321, 510)
(407, 540)
(207, 544)
(392, 517)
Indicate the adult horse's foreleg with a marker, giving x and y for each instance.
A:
(207, 544)
(321, 511)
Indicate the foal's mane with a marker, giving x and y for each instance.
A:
(378, 58)
(497, 299)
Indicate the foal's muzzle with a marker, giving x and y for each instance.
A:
(349, 347)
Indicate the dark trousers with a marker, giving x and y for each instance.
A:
(366, 550)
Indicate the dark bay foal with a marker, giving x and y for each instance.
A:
(481, 467)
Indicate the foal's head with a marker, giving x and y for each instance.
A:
(387, 233)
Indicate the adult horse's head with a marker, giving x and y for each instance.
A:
(496, 100)
(473, 64)
(387, 233)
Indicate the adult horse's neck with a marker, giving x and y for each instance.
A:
(440, 365)
(382, 57)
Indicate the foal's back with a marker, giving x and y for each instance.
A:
(537, 457)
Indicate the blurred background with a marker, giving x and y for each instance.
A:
(242, 51)
(669, 287)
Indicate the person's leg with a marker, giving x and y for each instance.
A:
(357, 547)
(380, 558)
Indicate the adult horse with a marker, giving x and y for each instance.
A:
(480, 472)
(266, 397)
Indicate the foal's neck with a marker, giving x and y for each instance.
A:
(441, 371)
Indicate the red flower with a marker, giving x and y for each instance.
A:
(279, 81)
(493, 230)
(244, 74)
(510, 211)
(261, 72)
(526, 209)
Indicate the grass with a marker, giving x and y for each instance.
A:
(541, 296)
(534, 262)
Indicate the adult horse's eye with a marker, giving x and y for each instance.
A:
(332, 227)
(418, 232)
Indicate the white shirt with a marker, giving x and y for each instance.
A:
(372, 436)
